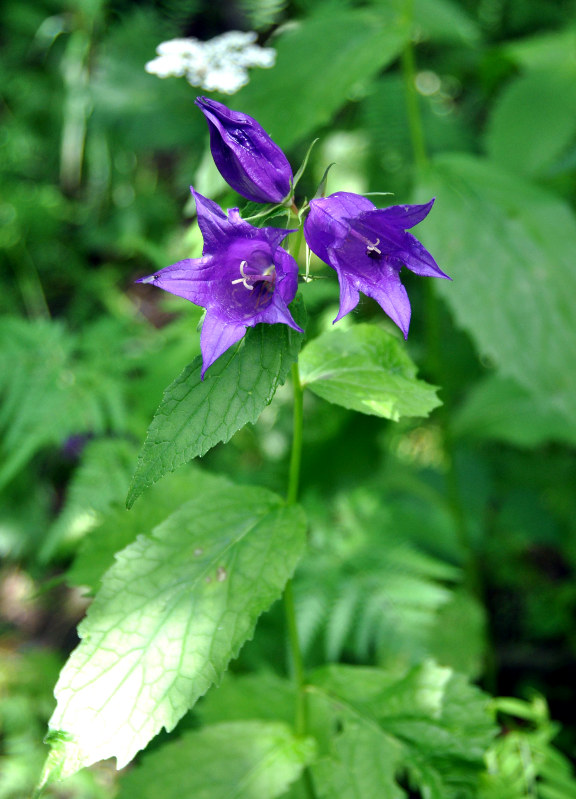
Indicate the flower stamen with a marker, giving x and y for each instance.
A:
(372, 249)
(244, 277)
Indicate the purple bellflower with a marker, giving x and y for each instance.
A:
(367, 247)
(245, 155)
(243, 277)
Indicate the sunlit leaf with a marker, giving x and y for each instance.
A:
(242, 759)
(173, 610)
(368, 370)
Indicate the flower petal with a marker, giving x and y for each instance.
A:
(287, 275)
(278, 313)
(417, 258)
(213, 222)
(391, 296)
(189, 279)
(349, 296)
(327, 221)
(216, 337)
(245, 155)
(405, 216)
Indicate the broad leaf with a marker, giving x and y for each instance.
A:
(51, 387)
(194, 415)
(443, 21)
(430, 722)
(368, 370)
(242, 759)
(260, 695)
(362, 765)
(510, 248)
(515, 113)
(99, 483)
(120, 527)
(173, 610)
(321, 61)
(498, 408)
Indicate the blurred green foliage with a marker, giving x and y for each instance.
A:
(451, 538)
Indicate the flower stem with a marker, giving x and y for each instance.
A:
(301, 719)
(296, 455)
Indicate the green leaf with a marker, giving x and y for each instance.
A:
(195, 415)
(120, 527)
(523, 762)
(173, 610)
(549, 50)
(320, 63)
(362, 765)
(260, 695)
(458, 638)
(438, 726)
(498, 408)
(49, 390)
(519, 135)
(243, 759)
(100, 482)
(444, 21)
(509, 248)
(368, 370)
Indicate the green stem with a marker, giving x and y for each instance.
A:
(289, 608)
(301, 719)
(412, 102)
(298, 421)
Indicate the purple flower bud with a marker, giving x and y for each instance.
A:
(243, 277)
(367, 247)
(245, 155)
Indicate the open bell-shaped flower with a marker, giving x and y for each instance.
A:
(246, 157)
(367, 247)
(243, 277)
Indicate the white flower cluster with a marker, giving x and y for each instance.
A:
(220, 64)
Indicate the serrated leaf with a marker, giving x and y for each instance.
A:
(368, 370)
(121, 527)
(320, 62)
(519, 136)
(194, 415)
(438, 726)
(362, 766)
(173, 610)
(510, 248)
(242, 759)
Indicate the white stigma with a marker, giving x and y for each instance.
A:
(244, 277)
(373, 248)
